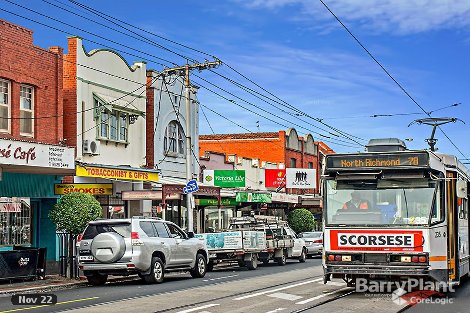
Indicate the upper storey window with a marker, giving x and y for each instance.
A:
(26, 110)
(173, 141)
(5, 105)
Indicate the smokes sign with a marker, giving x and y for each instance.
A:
(376, 240)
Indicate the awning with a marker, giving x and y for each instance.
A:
(113, 172)
(110, 103)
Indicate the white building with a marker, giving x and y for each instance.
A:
(109, 128)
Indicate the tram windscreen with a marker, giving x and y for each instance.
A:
(383, 202)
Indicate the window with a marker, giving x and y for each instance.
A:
(176, 232)
(114, 124)
(161, 230)
(174, 138)
(293, 162)
(26, 110)
(310, 165)
(4, 105)
(148, 229)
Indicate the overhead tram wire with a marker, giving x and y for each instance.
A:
(271, 120)
(388, 74)
(68, 33)
(125, 106)
(116, 30)
(79, 29)
(113, 19)
(252, 92)
(77, 112)
(265, 111)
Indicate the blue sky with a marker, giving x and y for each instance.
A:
(297, 51)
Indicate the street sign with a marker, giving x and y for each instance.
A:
(191, 186)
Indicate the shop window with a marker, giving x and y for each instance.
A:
(15, 222)
(5, 105)
(173, 142)
(26, 110)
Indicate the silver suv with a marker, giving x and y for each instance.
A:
(146, 246)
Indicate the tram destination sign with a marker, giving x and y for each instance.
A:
(372, 160)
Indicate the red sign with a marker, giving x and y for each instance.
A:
(275, 178)
(10, 207)
(376, 240)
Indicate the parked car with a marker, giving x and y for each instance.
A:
(313, 242)
(148, 247)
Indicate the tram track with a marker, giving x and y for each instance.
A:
(239, 294)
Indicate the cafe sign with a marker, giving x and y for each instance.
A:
(92, 189)
(14, 152)
(116, 173)
(225, 178)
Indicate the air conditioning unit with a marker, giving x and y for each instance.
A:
(91, 147)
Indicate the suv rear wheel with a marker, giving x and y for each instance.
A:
(97, 279)
(157, 272)
(200, 267)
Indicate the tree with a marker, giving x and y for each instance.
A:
(301, 220)
(71, 214)
(73, 211)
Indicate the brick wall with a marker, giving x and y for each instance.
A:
(150, 126)
(264, 149)
(23, 63)
(70, 93)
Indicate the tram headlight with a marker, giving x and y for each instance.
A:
(422, 259)
(405, 259)
(346, 258)
(331, 257)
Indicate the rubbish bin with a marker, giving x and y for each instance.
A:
(19, 263)
(41, 264)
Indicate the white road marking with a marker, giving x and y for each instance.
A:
(276, 310)
(334, 283)
(321, 296)
(219, 278)
(285, 296)
(278, 289)
(199, 308)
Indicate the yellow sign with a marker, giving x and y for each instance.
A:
(116, 173)
(93, 189)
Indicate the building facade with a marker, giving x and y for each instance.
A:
(33, 156)
(166, 140)
(108, 129)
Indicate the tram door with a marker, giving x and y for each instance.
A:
(452, 221)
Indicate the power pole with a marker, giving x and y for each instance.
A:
(184, 71)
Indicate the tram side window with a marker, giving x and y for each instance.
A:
(463, 208)
(437, 213)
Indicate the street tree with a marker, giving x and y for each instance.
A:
(71, 214)
(301, 220)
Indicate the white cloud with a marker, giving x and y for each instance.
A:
(395, 16)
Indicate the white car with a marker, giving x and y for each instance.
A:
(313, 242)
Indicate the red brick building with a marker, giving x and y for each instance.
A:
(32, 155)
(278, 147)
(30, 86)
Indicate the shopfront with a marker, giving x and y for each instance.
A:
(108, 183)
(28, 172)
(216, 217)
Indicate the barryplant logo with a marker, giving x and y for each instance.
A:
(409, 292)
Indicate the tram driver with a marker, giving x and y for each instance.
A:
(357, 203)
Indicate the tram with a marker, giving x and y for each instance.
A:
(392, 213)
